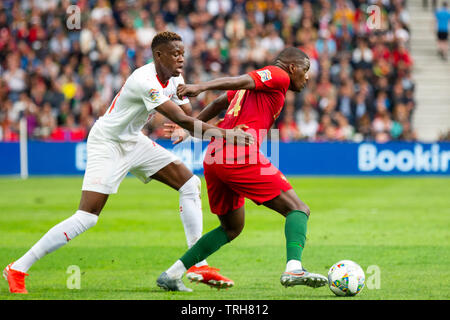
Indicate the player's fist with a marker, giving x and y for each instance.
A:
(188, 90)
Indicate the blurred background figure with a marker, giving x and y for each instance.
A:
(442, 20)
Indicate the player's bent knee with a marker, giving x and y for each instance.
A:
(86, 219)
(92, 202)
(297, 206)
(233, 234)
(191, 187)
(304, 208)
(94, 209)
(300, 205)
(232, 231)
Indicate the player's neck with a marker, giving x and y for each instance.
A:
(281, 65)
(163, 78)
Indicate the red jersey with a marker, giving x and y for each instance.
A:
(257, 108)
(234, 173)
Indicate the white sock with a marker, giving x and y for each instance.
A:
(177, 270)
(55, 238)
(191, 212)
(292, 265)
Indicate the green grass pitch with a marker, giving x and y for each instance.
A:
(397, 229)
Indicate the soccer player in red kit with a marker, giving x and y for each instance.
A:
(232, 173)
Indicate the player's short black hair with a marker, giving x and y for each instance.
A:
(164, 37)
(293, 55)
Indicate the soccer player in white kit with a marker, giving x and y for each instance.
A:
(116, 146)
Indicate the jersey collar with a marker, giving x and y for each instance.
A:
(162, 84)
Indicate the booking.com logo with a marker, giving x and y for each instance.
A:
(419, 159)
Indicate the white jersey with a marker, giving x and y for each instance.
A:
(135, 103)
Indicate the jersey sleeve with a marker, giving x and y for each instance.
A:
(152, 94)
(270, 78)
(178, 101)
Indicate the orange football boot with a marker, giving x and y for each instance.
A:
(16, 279)
(208, 275)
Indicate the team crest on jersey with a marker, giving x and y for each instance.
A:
(265, 75)
(154, 95)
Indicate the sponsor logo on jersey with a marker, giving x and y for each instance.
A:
(154, 95)
(265, 75)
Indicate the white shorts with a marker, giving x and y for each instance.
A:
(109, 162)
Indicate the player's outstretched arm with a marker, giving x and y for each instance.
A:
(214, 108)
(209, 112)
(187, 108)
(225, 83)
(200, 129)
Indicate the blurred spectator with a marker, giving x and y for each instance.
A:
(442, 16)
(401, 57)
(219, 7)
(445, 136)
(235, 27)
(146, 32)
(70, 131)
(362, 56)
(288, 127)
(325, 44)
(61, 80)
(272, 42)
(307, 123)
(344, 102)
(15, 77)
(344, 130)
(183, 29)
(47, 121)
(100, 11)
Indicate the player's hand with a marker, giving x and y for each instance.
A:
(188, 90)
(239, 136)
(175, 133)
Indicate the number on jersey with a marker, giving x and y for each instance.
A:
(235, 105)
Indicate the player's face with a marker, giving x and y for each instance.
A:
(172, 58)
(299, 76)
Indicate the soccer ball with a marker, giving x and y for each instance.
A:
(346, 278)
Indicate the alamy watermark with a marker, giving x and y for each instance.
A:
(73, 21)
(374, 19)
(74, 279)
(373, 277)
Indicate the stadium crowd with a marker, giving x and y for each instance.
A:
(62, 65)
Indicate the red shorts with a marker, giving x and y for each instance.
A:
(229, 185)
